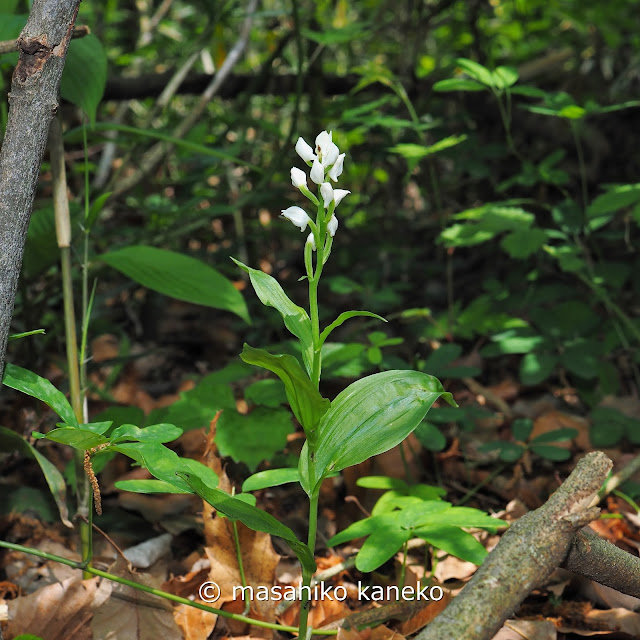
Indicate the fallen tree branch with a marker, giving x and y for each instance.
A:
(526, 555)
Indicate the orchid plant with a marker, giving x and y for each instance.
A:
(369, 417)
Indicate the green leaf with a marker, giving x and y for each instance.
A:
(476, 71)
(524, 242)
(163, 463)
(536, 367)
(556, 454)
(358, 529)
(178, 276)
(557, 435)
(430, 437)
(458, 84)
(504, 77)
(345, 316)
(251, 516)
(153, 433)
(85, 74)
(616, 197)
(270, 478)
(371, 416)
(254, 437)
(454, 541)
(509, 451)
(147, 486)
(33, 385)
(307, 404)
(11, 441)
(95, 209)
(383, 482)
(75, 437)
(521, 429)
(268, 393)
(383, 543)
(418, 151)
(295, 318)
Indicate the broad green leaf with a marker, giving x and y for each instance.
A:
(358, 529)
(11, 441)
(295, 318)
(268, 393)
(254, 437)
(95, 427)
(476, 71)
(75, 437)
(392, 500)
(371, 416)
(549, 452)
(504, 77)
(537, 366)
(508, 451)
(163, 463)
(454, 541)
(572, 112)
(345, 316)
(523, 243)
(521, 429)
(418, 151)
(557, 435)
(85, 75)
(458, 84)
(251, 516)
(616, 197)
(153, 433)
(147, 486)
(270, 478)
(35, 386)
(468, 517)
(383, 482)
(383, 543)
(178, 276)
(307, 404)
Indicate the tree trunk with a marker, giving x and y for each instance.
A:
(33, 101)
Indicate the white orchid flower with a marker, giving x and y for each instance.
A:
(338, 194)
(317, 172)
(305, 151)
(298, 177)
(336, 171)
(330, 155)
(323, 141)
(332, 226)
(298, 216)
(326, 191)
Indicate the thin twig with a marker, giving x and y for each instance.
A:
(8, 46)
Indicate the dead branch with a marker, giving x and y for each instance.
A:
(526, 555)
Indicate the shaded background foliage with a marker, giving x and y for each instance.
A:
(367, 71)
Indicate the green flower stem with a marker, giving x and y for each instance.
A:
(157, 592)
(319, 235)
(307, 575)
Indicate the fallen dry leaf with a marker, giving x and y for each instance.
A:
(527, 630)
(195, 624)
(59, 611)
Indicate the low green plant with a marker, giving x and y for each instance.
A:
(544, 445)
(405, 512)
(369, 417)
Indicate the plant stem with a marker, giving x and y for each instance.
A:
(63, 236)
(307, 575)
(156, 592)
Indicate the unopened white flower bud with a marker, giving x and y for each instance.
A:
(336, 171)
(332, 226)
(298, 177)
(317, 172)
(311, 240)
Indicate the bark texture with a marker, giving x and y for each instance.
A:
(526, 555)
(33, 101)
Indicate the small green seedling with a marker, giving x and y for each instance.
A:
(545, 445)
